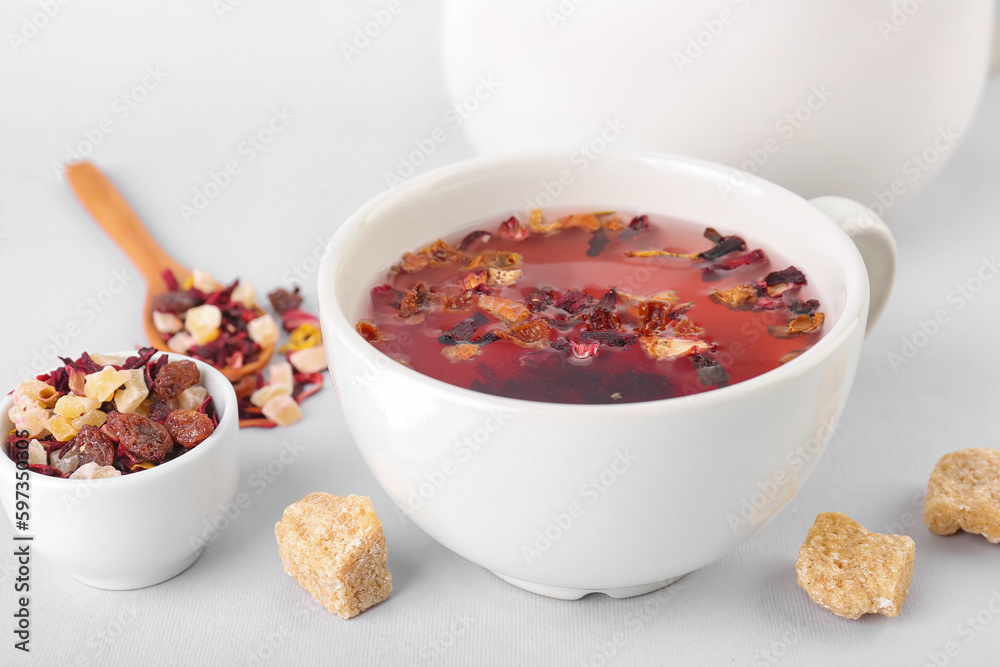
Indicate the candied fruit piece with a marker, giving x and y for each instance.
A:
(530, 334)
(71, 407)
(370, 332)
(244, 294)
(175, 377)
(263, 330)
(282, 410)
(101, 385)
(36, 453)
(503, 277)
(93, 445)
(167, 323)
(94, 471)
(64, 464)
(202, 281)
(191, 398)
(203, 323)
(963, 493)
(28, 415)
(133, 392)
(335, 548)
(181, 342)
(60, 428)
(738, 297)
(852, 571)
(144, 438)
(309, 360)
(461, 352)
(188, 428)
(799, 326)
(660, 348)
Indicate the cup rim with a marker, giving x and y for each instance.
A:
(225, 404)
(333, 317)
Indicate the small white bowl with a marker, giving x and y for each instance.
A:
(565, 500)
(141, 528)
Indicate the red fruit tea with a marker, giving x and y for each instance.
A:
(592, 308)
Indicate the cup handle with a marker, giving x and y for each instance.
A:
(874, 242)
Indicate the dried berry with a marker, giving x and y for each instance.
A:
(158, 410)
(282, 300)
(791, 275)
(142, 437)
(512, 230)
(175, 302)
(539, 299)
(188, 427)
(175, 377)
(710, 372)
(463, 331)
(575, 301)
(93, 445)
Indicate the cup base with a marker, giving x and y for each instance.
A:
(561, 593)
(128, 583)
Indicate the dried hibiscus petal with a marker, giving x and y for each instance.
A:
(791, 275)
(710, 272)
(539, 299)
(584, 349)
(799, 326)
(610, 338)
(464, 330)
(723, 245)
(710, 371)
(808, 307)
(512, 230)
(575, 301)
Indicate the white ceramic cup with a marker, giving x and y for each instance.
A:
(565, 500)
(138, 529)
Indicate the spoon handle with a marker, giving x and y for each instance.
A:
(108, 207)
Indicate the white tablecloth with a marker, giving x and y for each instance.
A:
(168, 97)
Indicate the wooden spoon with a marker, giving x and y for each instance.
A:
(108, 207)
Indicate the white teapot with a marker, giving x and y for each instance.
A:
(863, 98)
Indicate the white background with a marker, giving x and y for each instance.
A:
(222, 76)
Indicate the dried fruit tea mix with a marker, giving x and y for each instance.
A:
(97, 417)
(592, 308)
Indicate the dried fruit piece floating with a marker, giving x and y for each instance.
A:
(495, 288)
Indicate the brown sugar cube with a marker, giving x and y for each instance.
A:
(334, 546)
(964, 493)
(851, 571)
